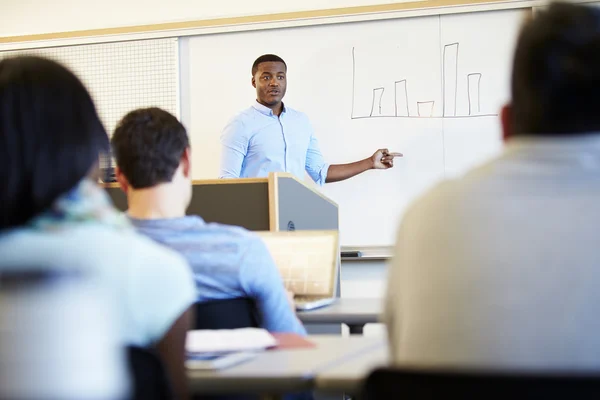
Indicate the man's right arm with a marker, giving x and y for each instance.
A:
(234, 146)
(261, 279)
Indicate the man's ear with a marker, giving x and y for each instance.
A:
(186, 162)
(123, 183)
(507, 122)
(253, 82)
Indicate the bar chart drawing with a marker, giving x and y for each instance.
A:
(450, 79)
(425, 108)
(376, 105)
(401, 99)
(381, 102)
(473, 92)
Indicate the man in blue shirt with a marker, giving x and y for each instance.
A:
(153, 157)
(271, 137)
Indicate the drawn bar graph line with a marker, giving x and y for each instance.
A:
(377, 95)
(425, 108)
(401, 104)
(449, 87)
(353, 81)
(432, 117)
(473, 92)
(450, 79)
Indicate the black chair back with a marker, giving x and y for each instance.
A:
(391, 383)
(227, 314)
(149, 378)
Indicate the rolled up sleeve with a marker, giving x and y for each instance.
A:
(316, 167)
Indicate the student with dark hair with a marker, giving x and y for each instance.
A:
(53, 215)
(500, 268)
(153, 157)
(272, 137)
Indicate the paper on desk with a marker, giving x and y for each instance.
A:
(228, 340)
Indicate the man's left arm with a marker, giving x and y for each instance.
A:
(381, 159)
(322, 173)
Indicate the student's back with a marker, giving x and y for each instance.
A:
(500, 268)
(505, 264)
(154, 168)
(150, 286)
(53, 214)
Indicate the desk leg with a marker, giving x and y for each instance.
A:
(356, 329)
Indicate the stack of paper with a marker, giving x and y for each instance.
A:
(228, 340)
(223, 348)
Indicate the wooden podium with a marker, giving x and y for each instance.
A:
(280, 202)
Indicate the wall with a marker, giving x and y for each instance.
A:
(24, 17)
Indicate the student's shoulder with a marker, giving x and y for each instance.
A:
(149, 250)
(231, 232)
(444, 202)
(111, 250)
(245, 240)
(140, 255)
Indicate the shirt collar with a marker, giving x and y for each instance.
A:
(180, 223)
(266, 110)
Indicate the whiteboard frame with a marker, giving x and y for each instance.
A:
(267, 21)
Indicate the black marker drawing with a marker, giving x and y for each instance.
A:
(450, 79)
(473, 92)
(377, 93)
(425, 108)
(353, 81)
(449, 89)
(401, 105)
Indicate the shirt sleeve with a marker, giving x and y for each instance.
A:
(162, 289)
(234, 146)
(260, 278)
(315, 163)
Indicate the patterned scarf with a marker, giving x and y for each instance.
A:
(86, 203)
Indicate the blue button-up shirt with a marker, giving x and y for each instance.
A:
(256, 142)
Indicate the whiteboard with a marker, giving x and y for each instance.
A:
(430, 87)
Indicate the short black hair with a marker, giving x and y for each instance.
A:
(50, 136)
(266, 58)
(556, 72)
(148, 144)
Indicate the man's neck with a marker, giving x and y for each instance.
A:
(158, 202)
(276, 108)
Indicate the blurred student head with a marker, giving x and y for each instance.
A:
(50, 136)
(556, 74)
(152, 151)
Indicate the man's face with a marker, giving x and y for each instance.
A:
(270, 82)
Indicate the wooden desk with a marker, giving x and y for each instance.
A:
(281, 371)
(355, 313)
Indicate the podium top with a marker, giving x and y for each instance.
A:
(271, 180)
